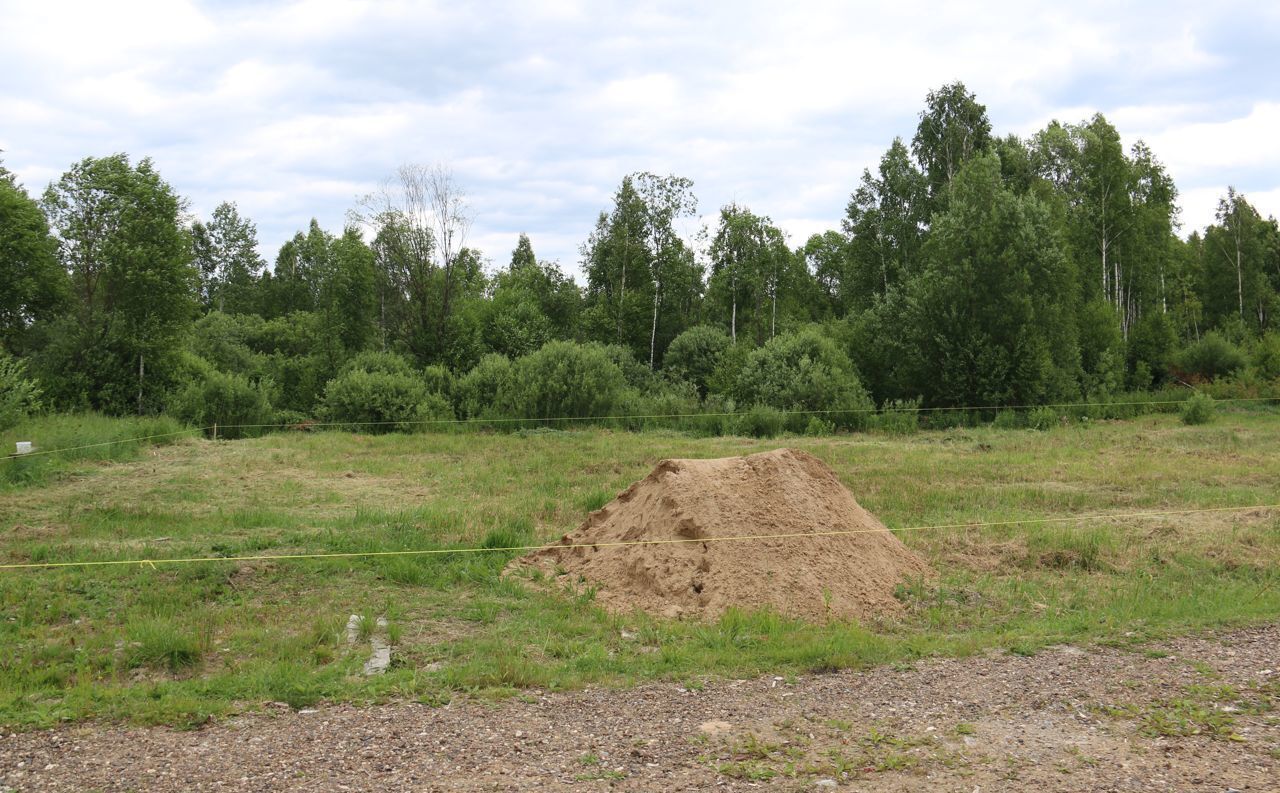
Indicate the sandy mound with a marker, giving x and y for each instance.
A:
(778, 492)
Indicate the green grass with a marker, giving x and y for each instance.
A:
(88, 438)
(180, 644)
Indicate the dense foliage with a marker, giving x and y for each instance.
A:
(970, 269)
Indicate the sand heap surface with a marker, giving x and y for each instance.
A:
(780, 492)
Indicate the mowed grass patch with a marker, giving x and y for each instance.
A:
(178, 644)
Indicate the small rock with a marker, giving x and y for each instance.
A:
(826, 784)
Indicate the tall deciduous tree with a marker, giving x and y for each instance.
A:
(1241, 273)
(531, 303)
(953, 128)
(122, 240)
(666, 200)
(420, 218)
(752, 271)
(227, 259)
(885, 221)
(643, 282)
(993, 312)
(33, 286)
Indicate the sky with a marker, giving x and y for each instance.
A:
(294, 110)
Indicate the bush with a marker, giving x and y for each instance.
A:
(1043, 418)
(1211, 357)
(1266, 356)
(671, 406)
(817, 427)
(637, 374)
(224, 341)
(695, 354)
(804, 372)
(383, 402)
(474, 393)
(1199, 409)
(563, 379)
(1151, 346)
(377, 361)
(19, 395)
(1007, 420)
(899, 417)
(227, 400)
(762, 421)
(439, 380)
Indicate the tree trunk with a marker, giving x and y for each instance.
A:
(142, 373)
(733, 319)
(773, 320)
(622, 295)
(1239, 278)
(653, 331)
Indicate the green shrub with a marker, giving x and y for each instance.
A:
(383, 402)
(818, 427)
(1007, 420)
(804, 372)
(637, 374)
(695, 354)
(1266, 356)
(1043, 418)
(718, 416)
(300, 379)
(19, 395)
(224, 341)
(1211, 357)
(762, 421)
(672, 405)
(227, 400)
(475, 392)
(563, 379)
(1199, 409)
(377, 361)
(439, 380)
(951, 419)
(1150, 349)
(898, 417)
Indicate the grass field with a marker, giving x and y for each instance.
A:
(179, 644)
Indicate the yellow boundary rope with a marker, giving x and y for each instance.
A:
(621, 543)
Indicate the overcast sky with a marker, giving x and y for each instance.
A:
(292, 110)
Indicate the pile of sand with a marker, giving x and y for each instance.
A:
(780, 492)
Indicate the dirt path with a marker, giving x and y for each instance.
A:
(1066, 719)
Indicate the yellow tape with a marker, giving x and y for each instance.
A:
(569, 546)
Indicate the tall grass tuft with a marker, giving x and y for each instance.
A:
(86, 437)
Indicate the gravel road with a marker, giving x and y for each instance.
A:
(1065, 719)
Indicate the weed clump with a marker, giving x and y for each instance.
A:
(1199, 409)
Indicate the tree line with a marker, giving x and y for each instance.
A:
(969, 269)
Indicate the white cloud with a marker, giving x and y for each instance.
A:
(292, 109)
(1199, 149)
